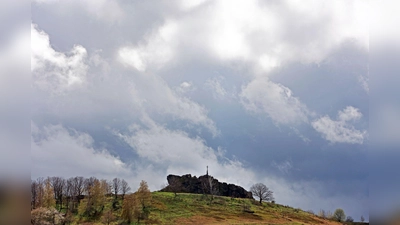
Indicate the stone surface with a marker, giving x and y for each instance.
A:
(201, 185)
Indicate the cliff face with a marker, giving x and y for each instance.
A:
(201, 185)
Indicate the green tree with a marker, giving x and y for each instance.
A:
(339, 215)
(94, 203)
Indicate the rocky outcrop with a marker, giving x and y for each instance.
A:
(201, 185)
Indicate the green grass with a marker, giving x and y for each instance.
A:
(199, 209)
(192, 208)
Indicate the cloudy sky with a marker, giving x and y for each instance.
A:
(276, 92)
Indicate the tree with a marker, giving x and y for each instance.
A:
(37, 190)
(143, 196)
(116, 185)
(108, 217)
(48, 195)
(94, 203)
(362, 219)
(106, 186)
(124, 188)
(339, 215)
(322, 213)
(262, 192)
(130, 208)
(34, 194)
(349, 219)
(58, 184)
(68, 191)
(78, 184)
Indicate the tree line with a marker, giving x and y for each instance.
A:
(59, 192)
(87, 198)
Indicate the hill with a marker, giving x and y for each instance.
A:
(96, 204)
(197, 209)
(187, 208)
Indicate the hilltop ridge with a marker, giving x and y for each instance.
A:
(201, 185)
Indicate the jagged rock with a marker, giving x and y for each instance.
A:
(189, 184)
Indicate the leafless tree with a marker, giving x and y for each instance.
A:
(262, 192)
(209, 187)
(34, 194)
(58, 184)
(68, 191)
(107, 186)
(37, 188)
(116, 185)
(322, 213)
(362, 219)
(78, 185)
(88, 184)
(124, 188)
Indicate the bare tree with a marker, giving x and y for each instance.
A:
(322, 213)
(68, 191)
(34, 194)
(38, 187)
(124, 188)
(107, 186)
(88, 184)
(78, 185)
(58, 184)
(362, 219)
(262, 192)
(349, 219)
(209, 187)
(116, 186)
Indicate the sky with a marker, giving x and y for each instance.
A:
(276, 92)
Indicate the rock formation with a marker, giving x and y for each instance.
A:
(201, 185)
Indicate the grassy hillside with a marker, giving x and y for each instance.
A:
(197, 209)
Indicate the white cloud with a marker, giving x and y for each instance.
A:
(178, 153)
(216, 87)
(341, 131)
(266, 35)
(189, 5)
(160, 98)
(156, 51)
(105, 10)
(54, 71)
(58, 73)
(58, 151)
(349, 113)
(262, 36)
(185, 87)
(275, 100)
(283, 167)
(364, 82)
